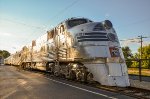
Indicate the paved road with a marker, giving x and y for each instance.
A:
(16, 84)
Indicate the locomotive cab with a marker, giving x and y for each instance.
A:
(96, 44)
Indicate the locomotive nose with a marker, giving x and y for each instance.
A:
(103, 26)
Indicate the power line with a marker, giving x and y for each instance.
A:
(133, 39)
(21, 23)
(136, 22)
(64, 10)
(141, 42)
(38, 27)
(126, 42)
(27, 25)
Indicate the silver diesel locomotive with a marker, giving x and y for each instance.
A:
(77, 48)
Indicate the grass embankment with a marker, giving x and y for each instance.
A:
(135, 71)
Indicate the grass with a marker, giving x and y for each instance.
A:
(135, 71)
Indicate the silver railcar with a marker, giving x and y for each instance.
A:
(80, 49)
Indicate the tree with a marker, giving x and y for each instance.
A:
(136, 57)
(127, 55)
(145, 55)
(4, 53)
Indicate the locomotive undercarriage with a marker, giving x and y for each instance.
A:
(69, 70)
(74, 71)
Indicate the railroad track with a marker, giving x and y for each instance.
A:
(137, 77)
(129, 91)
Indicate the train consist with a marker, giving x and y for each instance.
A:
(77, 49)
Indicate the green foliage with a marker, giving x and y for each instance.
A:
(127, 55)
(145, 55)
(136, 57)
(4, 53)
(127, 52)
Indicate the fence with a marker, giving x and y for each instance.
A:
(139, 67)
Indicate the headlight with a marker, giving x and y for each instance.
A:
(112, 37)
(107, 24)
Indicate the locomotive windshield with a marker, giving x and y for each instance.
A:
(76, 22)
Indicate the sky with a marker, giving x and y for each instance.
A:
(22, 21)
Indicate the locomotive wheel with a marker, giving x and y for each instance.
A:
(47, 67)
(84, 77)
(72, 75)
(82, 74)
(51, 70)
(23, 66)
(90, 77)
(78, 76)
(56, 73)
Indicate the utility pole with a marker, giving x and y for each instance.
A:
(141, 45)
(141, 41)
(140, 60)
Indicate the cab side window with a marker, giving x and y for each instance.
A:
(50, 34)
(62, 28)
